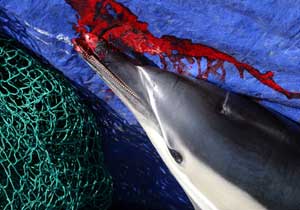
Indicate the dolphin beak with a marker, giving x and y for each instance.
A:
(108, 64)
(133, 84)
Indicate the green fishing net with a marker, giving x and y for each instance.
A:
(50, 146)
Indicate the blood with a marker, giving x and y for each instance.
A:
(113, 22)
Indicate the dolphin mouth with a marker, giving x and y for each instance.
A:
(95, 54)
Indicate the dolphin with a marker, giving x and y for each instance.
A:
(226, 151)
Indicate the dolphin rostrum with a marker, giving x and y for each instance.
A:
(226, 151)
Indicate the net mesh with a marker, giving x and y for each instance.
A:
(50, 147)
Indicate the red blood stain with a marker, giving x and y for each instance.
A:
(113, 22)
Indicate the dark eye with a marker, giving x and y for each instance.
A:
(176, 155)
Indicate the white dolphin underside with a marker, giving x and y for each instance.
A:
(206, 189)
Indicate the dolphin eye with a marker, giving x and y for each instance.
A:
(176, 155)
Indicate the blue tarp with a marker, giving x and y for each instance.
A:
(264, 34)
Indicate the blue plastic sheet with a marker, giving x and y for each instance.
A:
(264, 34)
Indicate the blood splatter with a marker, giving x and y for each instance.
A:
(113, 22)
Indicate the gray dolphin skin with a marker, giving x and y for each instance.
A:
(226, 151)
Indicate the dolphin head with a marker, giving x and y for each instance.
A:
(123, 78)
(133, 84)
(226, 151)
